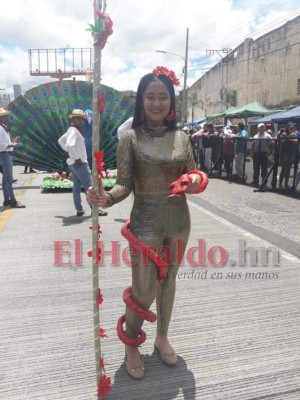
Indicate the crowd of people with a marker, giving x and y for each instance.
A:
(227, 149)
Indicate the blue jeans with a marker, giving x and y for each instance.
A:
(82, 177)
(6, 161)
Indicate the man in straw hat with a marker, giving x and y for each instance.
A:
(6, 161)
(73, 142)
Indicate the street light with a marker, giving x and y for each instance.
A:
(168, 52)
(184, 102)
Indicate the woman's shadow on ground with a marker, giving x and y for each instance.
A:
(159, 382)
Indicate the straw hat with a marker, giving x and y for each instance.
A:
(77, 113)
(4, 112)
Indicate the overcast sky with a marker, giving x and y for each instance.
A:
(140, 28)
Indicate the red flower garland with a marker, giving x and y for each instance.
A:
(104, 386)
(99, 229)
(99, 297)
(102, 333)
(98, 250)
(101, 102)
(102, 30)
(100, 164)
(102, 364)
(167, 72)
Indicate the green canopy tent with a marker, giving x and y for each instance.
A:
(221, 114)
(246, 111)
(249, 110)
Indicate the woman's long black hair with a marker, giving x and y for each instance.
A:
(144, 82)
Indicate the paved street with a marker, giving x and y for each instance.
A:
(235, 327)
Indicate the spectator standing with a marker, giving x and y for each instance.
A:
(261, 147)
(73, 142)
(207, 141)
(241, 150)
(228, 151)
(287, 153)
(196, 141)
(216, 150)
(6, 161)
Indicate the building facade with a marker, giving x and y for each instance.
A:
(17, 90)
(4, 98)
(266, 70)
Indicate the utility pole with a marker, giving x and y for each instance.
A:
(184, 108)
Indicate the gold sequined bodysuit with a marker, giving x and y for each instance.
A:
(148, 161)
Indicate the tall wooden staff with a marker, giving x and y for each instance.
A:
(98, 4)
(101, 29)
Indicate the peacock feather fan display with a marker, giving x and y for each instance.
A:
(40, 117)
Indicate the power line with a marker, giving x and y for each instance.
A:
(242, 53)
(232, 44)
(252, 58)
(264, 12)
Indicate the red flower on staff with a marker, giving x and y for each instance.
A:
(102, 364)
(90, 254)
(102, 333)
(99, 229)
(100, 164)
(104, 386)
(101, 102)
(99, 297)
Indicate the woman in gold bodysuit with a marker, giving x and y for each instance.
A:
(150, 157)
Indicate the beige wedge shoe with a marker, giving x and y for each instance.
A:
(137, 372)
(169, 359)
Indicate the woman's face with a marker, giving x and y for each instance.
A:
(156, 103)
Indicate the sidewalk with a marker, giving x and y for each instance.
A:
(235, 328)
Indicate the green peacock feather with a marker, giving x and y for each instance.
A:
(40, 117)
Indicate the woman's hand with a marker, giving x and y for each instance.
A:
(193, 182)
(196, 181)
(95, 198)
(199, 181)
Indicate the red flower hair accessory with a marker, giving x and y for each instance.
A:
(167, 72)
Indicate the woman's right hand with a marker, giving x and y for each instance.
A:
(95, 198)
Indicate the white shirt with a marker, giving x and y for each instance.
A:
(124, 127)
(4, 140)
(73, 142)
(264, 145)
(200, 132)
